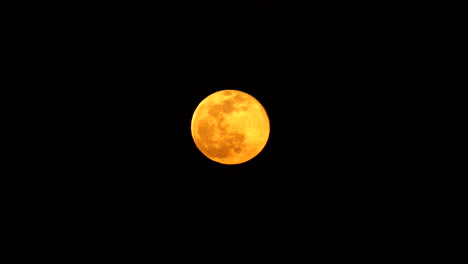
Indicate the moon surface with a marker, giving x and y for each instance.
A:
(230, 127)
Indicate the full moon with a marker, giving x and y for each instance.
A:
(230, 127)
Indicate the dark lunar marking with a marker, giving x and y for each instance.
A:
(228, 106)
(214, 110)
(215, 113)
(239, 98)
(227, 93)
(205, 130)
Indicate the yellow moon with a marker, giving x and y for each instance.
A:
(230, 127)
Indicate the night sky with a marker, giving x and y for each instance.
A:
(119, 173)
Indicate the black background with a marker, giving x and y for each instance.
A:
(120, 174)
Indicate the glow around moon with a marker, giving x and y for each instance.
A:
(230, 127)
